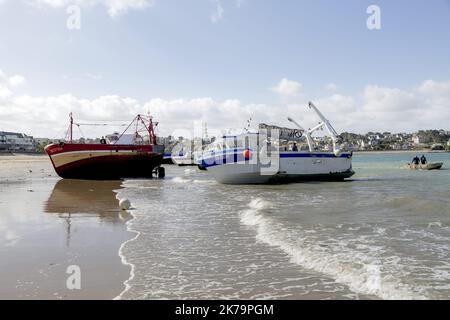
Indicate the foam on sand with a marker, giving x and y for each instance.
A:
(123, 257)
(180, 180)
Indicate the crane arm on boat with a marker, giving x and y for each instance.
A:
(324, 123)
(307, 134)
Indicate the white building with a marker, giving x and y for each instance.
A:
(418, 139)
(16, 142)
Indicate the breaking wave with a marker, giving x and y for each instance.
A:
(358, 268)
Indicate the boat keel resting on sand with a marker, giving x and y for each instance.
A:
(259, 157)
(109, 161)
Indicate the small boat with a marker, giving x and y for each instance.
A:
(427, 166)
(117, 159)
(261, 157)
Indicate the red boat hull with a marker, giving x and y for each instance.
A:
(103, 161)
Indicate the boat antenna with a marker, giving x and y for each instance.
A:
(249, 122)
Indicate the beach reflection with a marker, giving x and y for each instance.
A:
(86, 198)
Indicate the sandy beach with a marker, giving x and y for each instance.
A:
(48, 224)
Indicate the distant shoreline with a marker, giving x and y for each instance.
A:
(402, 151)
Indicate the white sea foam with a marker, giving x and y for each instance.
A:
(435, 224)
(361, 271)
(203, 181)
(180, 180)
(123, 258)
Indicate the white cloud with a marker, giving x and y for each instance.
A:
(6, 84)
(332, 87)
(217, 15)
(17, 80)
(435, 88)
(94, 76)
(4, 92)
(376, 108)
(288, 88)
(115, 7)
(385, 100)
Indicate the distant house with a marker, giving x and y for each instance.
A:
(16, 142)
(361, 145)
(419, 139)
(3, 143)
(406, 146)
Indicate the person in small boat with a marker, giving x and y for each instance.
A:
(423, 160)
(294, 147)
(103, 140)
(416, 160)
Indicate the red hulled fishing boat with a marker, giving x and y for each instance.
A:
(113, 159)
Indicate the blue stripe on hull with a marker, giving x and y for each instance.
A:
(239, 157)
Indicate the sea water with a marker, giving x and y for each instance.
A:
(385, 234)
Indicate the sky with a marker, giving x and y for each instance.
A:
(223, 62)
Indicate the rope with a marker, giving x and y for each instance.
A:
(99, 124)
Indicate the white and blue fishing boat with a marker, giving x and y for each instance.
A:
(264, 156)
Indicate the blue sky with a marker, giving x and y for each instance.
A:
(174, 50)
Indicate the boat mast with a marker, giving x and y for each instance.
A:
(70, 128)
(151, 131)
(149, 128)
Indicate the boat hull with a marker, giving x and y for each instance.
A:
(428, 166)
(292, 167)
(104, 162)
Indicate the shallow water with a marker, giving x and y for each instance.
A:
(383, 235)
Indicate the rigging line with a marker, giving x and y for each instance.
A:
(100, 124)
(60, 134)
(102, 120)
(82, 134)
(135, 119)
(66, 136)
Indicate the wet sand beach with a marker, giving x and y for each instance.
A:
(48, 224)
(383, 234)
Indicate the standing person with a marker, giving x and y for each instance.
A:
(294, 147)
(423, 160)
